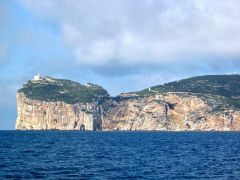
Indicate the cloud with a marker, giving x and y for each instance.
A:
(146, 32)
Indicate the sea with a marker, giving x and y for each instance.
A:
(119, 155)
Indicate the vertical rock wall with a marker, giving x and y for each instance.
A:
(42, 115)
(170, 111)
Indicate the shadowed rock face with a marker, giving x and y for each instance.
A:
(173, 111)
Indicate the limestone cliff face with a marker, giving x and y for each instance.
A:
(42, 115)
(53, 104)
(170, 111)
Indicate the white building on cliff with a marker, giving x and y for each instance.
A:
(36, 77)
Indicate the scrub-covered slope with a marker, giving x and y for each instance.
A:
(50, 89)
(227, 86)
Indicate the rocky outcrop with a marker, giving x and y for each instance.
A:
(53, 104)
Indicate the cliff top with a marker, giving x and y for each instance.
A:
(222, 85)
(51, 89)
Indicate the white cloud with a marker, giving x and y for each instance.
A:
(144, 31)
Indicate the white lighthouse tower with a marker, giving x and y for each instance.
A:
(36, 77)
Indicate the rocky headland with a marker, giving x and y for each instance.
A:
(204, 103)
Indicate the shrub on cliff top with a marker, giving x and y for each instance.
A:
(50, 89)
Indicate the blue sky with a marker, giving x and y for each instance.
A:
(120, 44)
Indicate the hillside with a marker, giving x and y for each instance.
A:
(221, 85)
(51, 89)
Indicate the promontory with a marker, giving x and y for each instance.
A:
(203, 103)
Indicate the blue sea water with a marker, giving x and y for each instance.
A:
(119, 155)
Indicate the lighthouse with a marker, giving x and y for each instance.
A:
(36, 77)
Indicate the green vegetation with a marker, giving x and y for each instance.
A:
(227, 86)
(218, 90)
(50, 89)
(223, 85)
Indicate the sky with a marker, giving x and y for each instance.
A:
(122, 45)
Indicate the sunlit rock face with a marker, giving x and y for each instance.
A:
(177, 106)
(170, 111)
(42, 115)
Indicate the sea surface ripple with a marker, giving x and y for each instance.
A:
(119, 155)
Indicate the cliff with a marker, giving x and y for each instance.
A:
(203, 103)
(171, 111)
(42, 115)
(49, 103)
